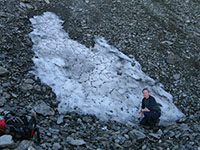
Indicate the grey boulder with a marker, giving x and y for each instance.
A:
(6, 141)
(77, 142)
(44, 109)
(135, 134)
(24, 145)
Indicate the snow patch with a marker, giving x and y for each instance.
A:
(99, 80)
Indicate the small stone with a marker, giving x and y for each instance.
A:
(87, 119)
(167, 42)
(14, 95)
(159, 132)
(171, 133)
(6, 141)
(54, 131)
(3, 14)
(48, 134)
(6, 95)
(29, 81)
(182, 120)
(29, 6)
(114, 127)
(45, 145)
(127, 144)
(178, 135)
(75, 142)
(27, 87)
(188, 21)
(126, 136)
(22, 4)
(44, 109)
(3, 72)
(1, 90)
(176, 76)
(172, 59)
(184, 127)
(1, 110)
(25, 1)
(47, 1)
(31, 148)
(144, 147)
(60, 120)
(6, 84)
(157, 136)
(2, 101)
(56, 146)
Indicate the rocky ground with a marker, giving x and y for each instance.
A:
(162, 35)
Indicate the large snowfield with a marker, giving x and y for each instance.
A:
(99, 80)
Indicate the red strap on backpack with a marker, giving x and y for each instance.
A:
(2, 125)
(32, 133)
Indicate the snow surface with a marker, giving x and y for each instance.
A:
(99, 80)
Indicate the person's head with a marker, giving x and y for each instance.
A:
(145, 93)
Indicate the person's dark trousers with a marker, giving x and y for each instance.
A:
(150, 118)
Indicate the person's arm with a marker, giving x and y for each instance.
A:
(142, 107)
(146, 109)
(140, 111)
(140, 116)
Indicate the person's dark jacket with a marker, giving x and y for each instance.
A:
(151, 104)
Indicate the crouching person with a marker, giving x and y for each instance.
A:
(150, 112)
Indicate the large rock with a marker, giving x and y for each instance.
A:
(3, 71)
(27, 84)
(77, 142)
(24, 145)
(156, 135)
(135, 134)
(6, 141)
(44, 109)
(27, 87)
(172, 59)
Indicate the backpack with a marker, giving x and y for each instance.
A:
(2, 126)
(20, 127)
